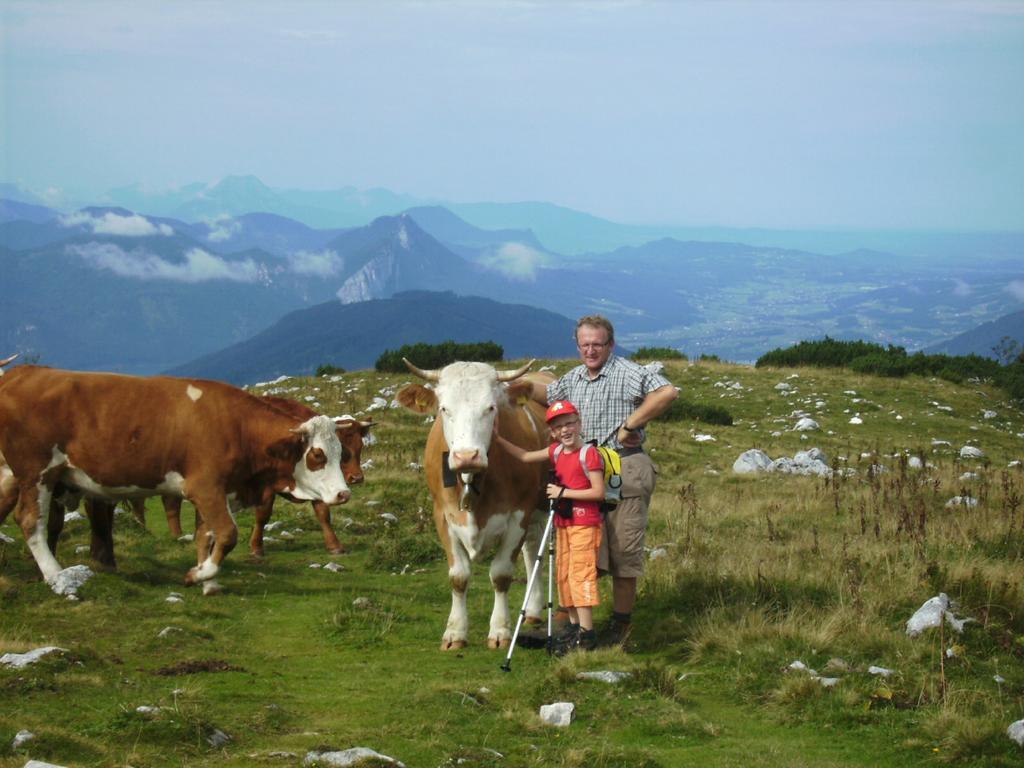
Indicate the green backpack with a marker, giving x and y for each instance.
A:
(612, 463)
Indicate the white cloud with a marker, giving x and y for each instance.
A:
(514, 260)
(115, 224)
(199, 266)
(960, 288)
(1016, 289)
(320, 263)
(223, 228)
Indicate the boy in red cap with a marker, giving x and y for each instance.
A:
(576, 495)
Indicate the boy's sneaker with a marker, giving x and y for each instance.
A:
(561, 641)
(584, 640)
(614, 633)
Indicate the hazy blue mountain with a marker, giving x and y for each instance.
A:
(268, 231)
(13, 210)
(452, 230)
(354, 335)
(983, 339)
(239, 195)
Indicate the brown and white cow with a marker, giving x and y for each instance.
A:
(110, 437)
(483, 497)
(350, 433)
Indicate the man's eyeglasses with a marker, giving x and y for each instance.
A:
(593, 346)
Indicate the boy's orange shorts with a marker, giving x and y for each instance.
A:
(576, 565)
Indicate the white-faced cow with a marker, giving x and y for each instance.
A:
(483, 498)
(109, 437)
(350, 433)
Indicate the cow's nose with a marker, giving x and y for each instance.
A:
(464, 458)
(354, 479)
(343, 497)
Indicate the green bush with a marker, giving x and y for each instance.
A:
(683, 410)
(709, 358)
(329, 370)
(657, 353)
(438, 355)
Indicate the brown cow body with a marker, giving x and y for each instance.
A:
(350, 433)
(483, 498)
(109, 437)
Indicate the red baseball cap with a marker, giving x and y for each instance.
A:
(559, 408)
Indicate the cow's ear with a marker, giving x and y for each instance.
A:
(288, 449)
(417, 398)
(364, 427)
(519, 392)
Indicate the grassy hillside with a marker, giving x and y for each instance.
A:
(748, 574)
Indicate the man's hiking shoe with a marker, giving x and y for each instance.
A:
(614, 634)
(561, 641)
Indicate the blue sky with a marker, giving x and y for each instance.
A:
(768, 114)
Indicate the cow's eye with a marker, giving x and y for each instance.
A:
(346, 454)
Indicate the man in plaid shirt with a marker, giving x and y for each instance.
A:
(616, 399)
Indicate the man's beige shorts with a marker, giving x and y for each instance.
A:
(622, 546)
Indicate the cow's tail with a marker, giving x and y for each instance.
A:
(7, 361)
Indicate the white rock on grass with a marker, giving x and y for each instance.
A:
(334, 567)
(388, 517)
(70, 580)
(6, 539)
(932, 613)
(22, 737)
(41, 764)
(806, 424)
(604, 676)
(880, 671)
(73, 517)
(751, 461)
(704, 438)
(962, 501)
(19, 660)
(971, 452)
(560, 714)
(989, 414)
(856, 420)
(346, 757)
(1016, 732)
(168, 631)
(914, 462)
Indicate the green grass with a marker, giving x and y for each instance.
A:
(757, 572)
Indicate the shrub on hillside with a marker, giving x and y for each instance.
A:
(657, 353)
(329, 370)
(430, 356)
(705, 358)
(683, 410)
(824, 353)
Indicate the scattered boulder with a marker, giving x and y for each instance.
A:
(1016, 732)
(6, 539)
(217, 738)
(21, 737)
(754, 460)
(19, 660)
(704, 438)
(880, 671)
(989, 414)
(962, 501)
(806, 424)
(971, 452)
(41, 764)
(70, 580)
(347, 757)
(914, 462)
(932, 613)
(560, 714)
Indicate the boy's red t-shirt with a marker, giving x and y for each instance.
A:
(571, 475)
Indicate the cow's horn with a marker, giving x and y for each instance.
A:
(509, 375)
(428, 375)
(9, 359)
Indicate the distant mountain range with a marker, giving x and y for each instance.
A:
(561, 229)
(984, 339)
(107, 287)
(353, 336)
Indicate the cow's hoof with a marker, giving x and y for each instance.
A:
(257, 553)
(338, 550)
(534, 621)
(453, 645)
(494, 644)
(190, 577)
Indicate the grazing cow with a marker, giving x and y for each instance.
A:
(350, 433)
(109, 437)
(483, 497)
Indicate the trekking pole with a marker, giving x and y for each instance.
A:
(551, 580)
(507, 666)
